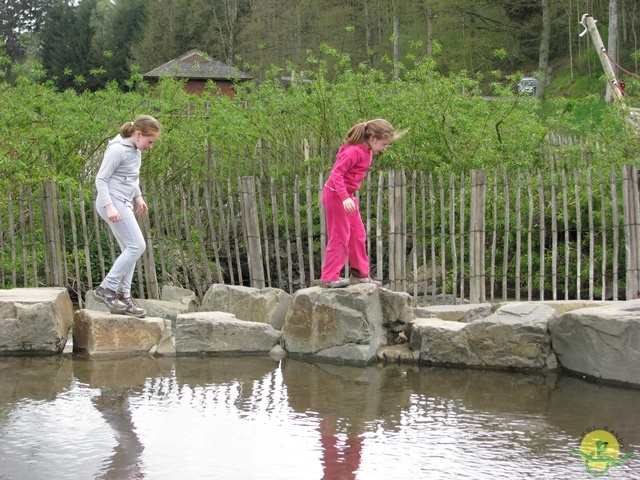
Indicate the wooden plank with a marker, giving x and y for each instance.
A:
(96, 232)
(156, 213)
(592, 239)
(414, 234)
(452, 236)
(200, 230)
(276, 230)
(615, 221)
(443, 226)
(530, 239)
(518, 268)
(603, 229)
(32, 236)
(172, 245)
(175, 216)
(554, 238)
(74, 239)
(567, 238)
(310, 225)
(506, 256)
(462, 236)
(209, 205)
(233, 221)
(23, 237)
(576, 188)
(542, 233)
(224, 234)
(432, 218)
(287, 237)
(265, 235)
(251, 220)
(494, 238)
(379, 228)
(297, 225)
(12, 244)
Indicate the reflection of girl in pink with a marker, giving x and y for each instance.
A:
(340, 462)
(345, 230)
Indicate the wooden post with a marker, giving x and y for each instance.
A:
(50, 230)
(631, 211)
(251, 221)
(477, 274)
(589, 22)
(397, 230)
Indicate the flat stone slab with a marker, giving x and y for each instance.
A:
(100, 333)
(34, 321)
(222, 332)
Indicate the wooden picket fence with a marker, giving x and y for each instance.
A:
(477, 236)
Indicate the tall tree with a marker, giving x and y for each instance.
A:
(612, 42)
(545, 42)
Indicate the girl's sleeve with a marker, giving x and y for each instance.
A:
(110, 162)
(344, 162)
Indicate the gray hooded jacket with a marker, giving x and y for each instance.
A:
(119, 174)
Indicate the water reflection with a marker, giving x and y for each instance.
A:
(256, 417)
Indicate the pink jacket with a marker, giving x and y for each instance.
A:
(349, 170)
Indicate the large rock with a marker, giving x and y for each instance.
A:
(222, 332)
(601, 342)
(263, 305)
(514, 337)
(339, 324)
(98, 333)
(34, 320)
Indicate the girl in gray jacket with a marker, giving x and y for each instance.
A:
(118, 188)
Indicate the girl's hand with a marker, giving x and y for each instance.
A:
(112, 214)
(349, 205)
(141, 206)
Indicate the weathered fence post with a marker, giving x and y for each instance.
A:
(631, 211)
(51, 228)
(397, 230)
(477, 274)
(251, 222)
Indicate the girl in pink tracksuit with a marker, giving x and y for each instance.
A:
(345, 230)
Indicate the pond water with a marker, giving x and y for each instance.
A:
(226, 418)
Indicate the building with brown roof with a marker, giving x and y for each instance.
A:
(197, 68)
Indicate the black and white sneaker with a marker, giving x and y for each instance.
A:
(132, 307)
(110, 299)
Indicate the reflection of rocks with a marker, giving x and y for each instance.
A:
(223, 370)
(596, 406)
(121, 373)
(477, 389)
(324, 388)
(34, 320)
(22, 377)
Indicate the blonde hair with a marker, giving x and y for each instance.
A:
(377, 128)
(145, 124)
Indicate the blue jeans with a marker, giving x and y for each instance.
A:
(129, 237)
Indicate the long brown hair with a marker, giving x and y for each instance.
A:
(145, 124)
(378, 128)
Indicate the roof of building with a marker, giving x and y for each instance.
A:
(197, 65)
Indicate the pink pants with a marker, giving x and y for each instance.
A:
(346, 239)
